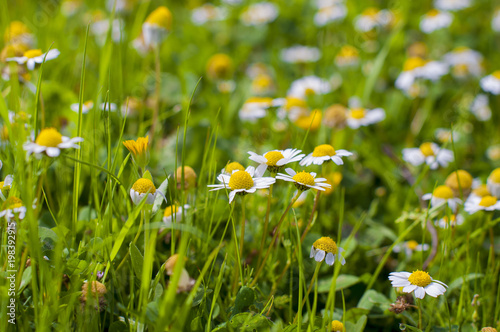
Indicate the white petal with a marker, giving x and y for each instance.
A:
(330, 258)
(410, 288)
(53, 152)
(419, 293)
(320, 255)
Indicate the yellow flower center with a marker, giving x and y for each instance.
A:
(426, 149)
(220, 66)
(12, 203)
(143, 186)
(371, 12)
(273, 157)
(443, 192)
(294, 102)
(161, 17)
(304, 178)
(496, 74)
(32, 53)
(15, 29)
(240, 180)
(49, 137)
(433, 13)
(488, 201)
(234, 166)
(420, 278)
(170, 210)
(310, 92)
(326, 244)
(460, 175)
(358, 113)
(337, 326)
(262, 81)
(461, 69)
(481, 191)
(412, 244)
(413, 63)
(348, 51)
(324, 150)
(495, 176)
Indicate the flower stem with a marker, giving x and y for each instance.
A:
(274, 238)
(156, 109)
(242, 231)
(266, 224)
(306, 296)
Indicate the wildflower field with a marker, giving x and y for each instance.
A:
(241, 165)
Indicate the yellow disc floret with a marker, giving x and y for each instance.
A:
(413, 62)
(324, 150)
(337, 326)
(358, 113)
(496, 74)
(170, 210)
(420, 278)
(443, 192)
(426, 149)
(464, 177)
(32, 53)
(161, 17)
(12, 203)
(273, 157)
(14, 30)
(488, 201)
(326, 244)
(234, 166)
(304, 178)
(433, 12)
(220, 66)
(495, 176)
(49, 137)
(240, 180)
(295, 102)
(481, 191)
(412, 244)
(143, 186)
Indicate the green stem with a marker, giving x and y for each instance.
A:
(313, 282)
(242, 231)
(266, 224)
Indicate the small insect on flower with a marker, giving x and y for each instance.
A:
(326, 249)
(242, 182)
(32, 57)
(323, 153)
(139, 150)
(275, 160)
(50, 142)
(443, 194)
(143, 188)
(435, 20)
(157, 26)
(491, 83)
(303, 180)
(13, 208)
(357, 117)
(418, 282)
(336, 326)
(430, 153)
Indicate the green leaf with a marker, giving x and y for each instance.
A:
(358, 327)
(244, 299)
(147, 175)
(343, 281)
(248, 321)
(159, 198)
(372, 299)
(137, 260)
(118, 327)
(460, 280)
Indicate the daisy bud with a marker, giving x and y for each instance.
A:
(488, 329)
(186, 283)
(157, 26)
(459, 181)
(189, 177)
(96, 296)
(220, 66)
(336, 326)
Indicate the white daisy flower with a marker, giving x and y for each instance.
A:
(443, 194)
(259, 14)
(303, 180)
(242, 182)
(173, 213)
(372, 18)
(357, 117)
(307, 86)
(452, 5)
(323, 153)
(51, 142)
(435, 20)
(208, 13)
(444, 135)
(326, 249)
(291, 108)
(418, 68)
(495, 21)
(419, 282)
(430, 153)
(300, 54)
(453, 221)
(329, 14)
(480, 107)
(231, 167)
(255, 108)
(143, 188)
(13, 208)
(157, 26)
(493, 182)
(32, 57)
(100, 30)
(409, 247)
(327, 3)
(464, 62)
(491, 83)
(275, 160)
(5, 185)
(486, 203)
(348, 56)
(86, 107)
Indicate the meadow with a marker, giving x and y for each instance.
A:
(241, 165)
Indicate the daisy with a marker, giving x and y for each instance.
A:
(486, 203)
(329, 14)
(86, 107)
(18, 33)
(157, 26)
(308, 86)
(291, 108)
(242, 182)
(5, 185)
(372, 18)
(435, 20)
(326, 249)
(491, 83)
(493, 152)
(139, 150)
(13, 207)
(452, 5)
(357, 117)
(32, 57)
(100, 30)
(430, 153)
(464, 62)
(417, 68)
(303, 180)
(409, 247)
(208, 13)
(300, 54)
(259, 13)
(263, 85)
(480, 107)
(348, 56)
(143, 188)
(493, 182)
(255, 108)
(444, 135)
(51, 142)
(231, 167)
(309, 120)
(479, 191)
(443, 194)
(495, 21)
(453, 221)
(173, 213)
(275, 160)
(419, 282)
(323, 153)
(465, 185)
(219, 66)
